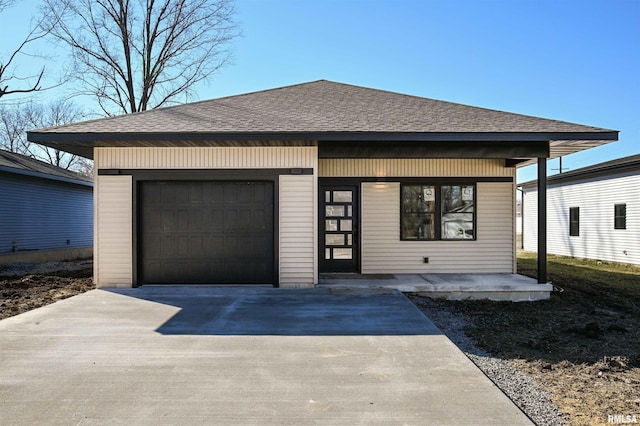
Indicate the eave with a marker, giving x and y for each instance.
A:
(457, 144)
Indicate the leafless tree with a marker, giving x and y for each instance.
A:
(7, 73)
(134, 55)
(14, 124)
(18, 118)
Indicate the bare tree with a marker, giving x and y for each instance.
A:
(134, 55)
(7, 73)
(14, 124)
(17, 119)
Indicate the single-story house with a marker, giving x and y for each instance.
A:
(593, 212)
(281, 185)
(46, 212)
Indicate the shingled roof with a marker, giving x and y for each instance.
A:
(321, 110)
(21, 164)
(618, 166)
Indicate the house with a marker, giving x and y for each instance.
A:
(281, 185)
(593, 212)
(46, 212)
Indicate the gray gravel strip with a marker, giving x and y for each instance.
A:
(521, 388)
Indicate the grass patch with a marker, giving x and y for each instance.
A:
(617, 284)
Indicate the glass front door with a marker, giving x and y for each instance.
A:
(339, 251)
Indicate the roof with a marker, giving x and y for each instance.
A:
(608, 168)
(321, 110)
(11, 162)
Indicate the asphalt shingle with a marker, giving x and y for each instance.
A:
(11, 160)
(320, 107)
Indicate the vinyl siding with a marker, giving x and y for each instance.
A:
(270, 157)
(596, 199)
(41, 214)
(406, 167)
(298, 215)
(384, 252)
(530, 220)
(113, 261)
(114, 250)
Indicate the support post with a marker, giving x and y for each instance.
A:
(542, 220)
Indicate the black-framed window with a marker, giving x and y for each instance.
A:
(437, 212)
(574, 221)
(620, 216)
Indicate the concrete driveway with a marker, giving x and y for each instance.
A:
(239, 355)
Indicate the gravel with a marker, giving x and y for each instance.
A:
(523, 390)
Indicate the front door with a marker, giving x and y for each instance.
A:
(339, 237)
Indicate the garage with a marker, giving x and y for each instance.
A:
(205, 232)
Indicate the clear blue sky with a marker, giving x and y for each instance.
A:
(571, 60)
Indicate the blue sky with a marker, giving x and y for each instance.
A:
(571, 60)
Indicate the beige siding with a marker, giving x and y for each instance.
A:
(114, 205)
(406, 167)
(298, 213)
(206, 158)
(113, 231)
(383, 252)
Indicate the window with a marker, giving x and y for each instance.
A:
(620, 216)
(437, 212)
(574, 221)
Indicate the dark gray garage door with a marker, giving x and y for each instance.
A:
(203, 232)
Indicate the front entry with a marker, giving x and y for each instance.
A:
(339, 224)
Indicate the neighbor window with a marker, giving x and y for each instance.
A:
(574, 221)
(620, 216)
(437, 212)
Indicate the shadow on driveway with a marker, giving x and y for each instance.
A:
(257, 311)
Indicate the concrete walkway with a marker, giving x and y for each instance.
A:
(239, 355)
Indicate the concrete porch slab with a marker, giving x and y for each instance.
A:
(499, 287)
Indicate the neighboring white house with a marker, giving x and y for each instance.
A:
(592, 212)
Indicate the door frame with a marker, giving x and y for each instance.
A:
(329, 266)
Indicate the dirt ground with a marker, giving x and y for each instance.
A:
(28, 286)
(582, 345)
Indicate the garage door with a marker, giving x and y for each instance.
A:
(203, 232)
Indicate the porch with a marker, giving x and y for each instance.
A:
(499, 287)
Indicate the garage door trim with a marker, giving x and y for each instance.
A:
(209, 175)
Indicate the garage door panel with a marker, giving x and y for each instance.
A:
(206, 232)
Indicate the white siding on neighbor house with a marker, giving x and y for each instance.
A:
(384, 252)
(410, 167)
(530, 220)
(268, 157)
(113, 232)
(298, 230)
(596, 199)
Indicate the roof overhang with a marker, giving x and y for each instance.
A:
(519, 147)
